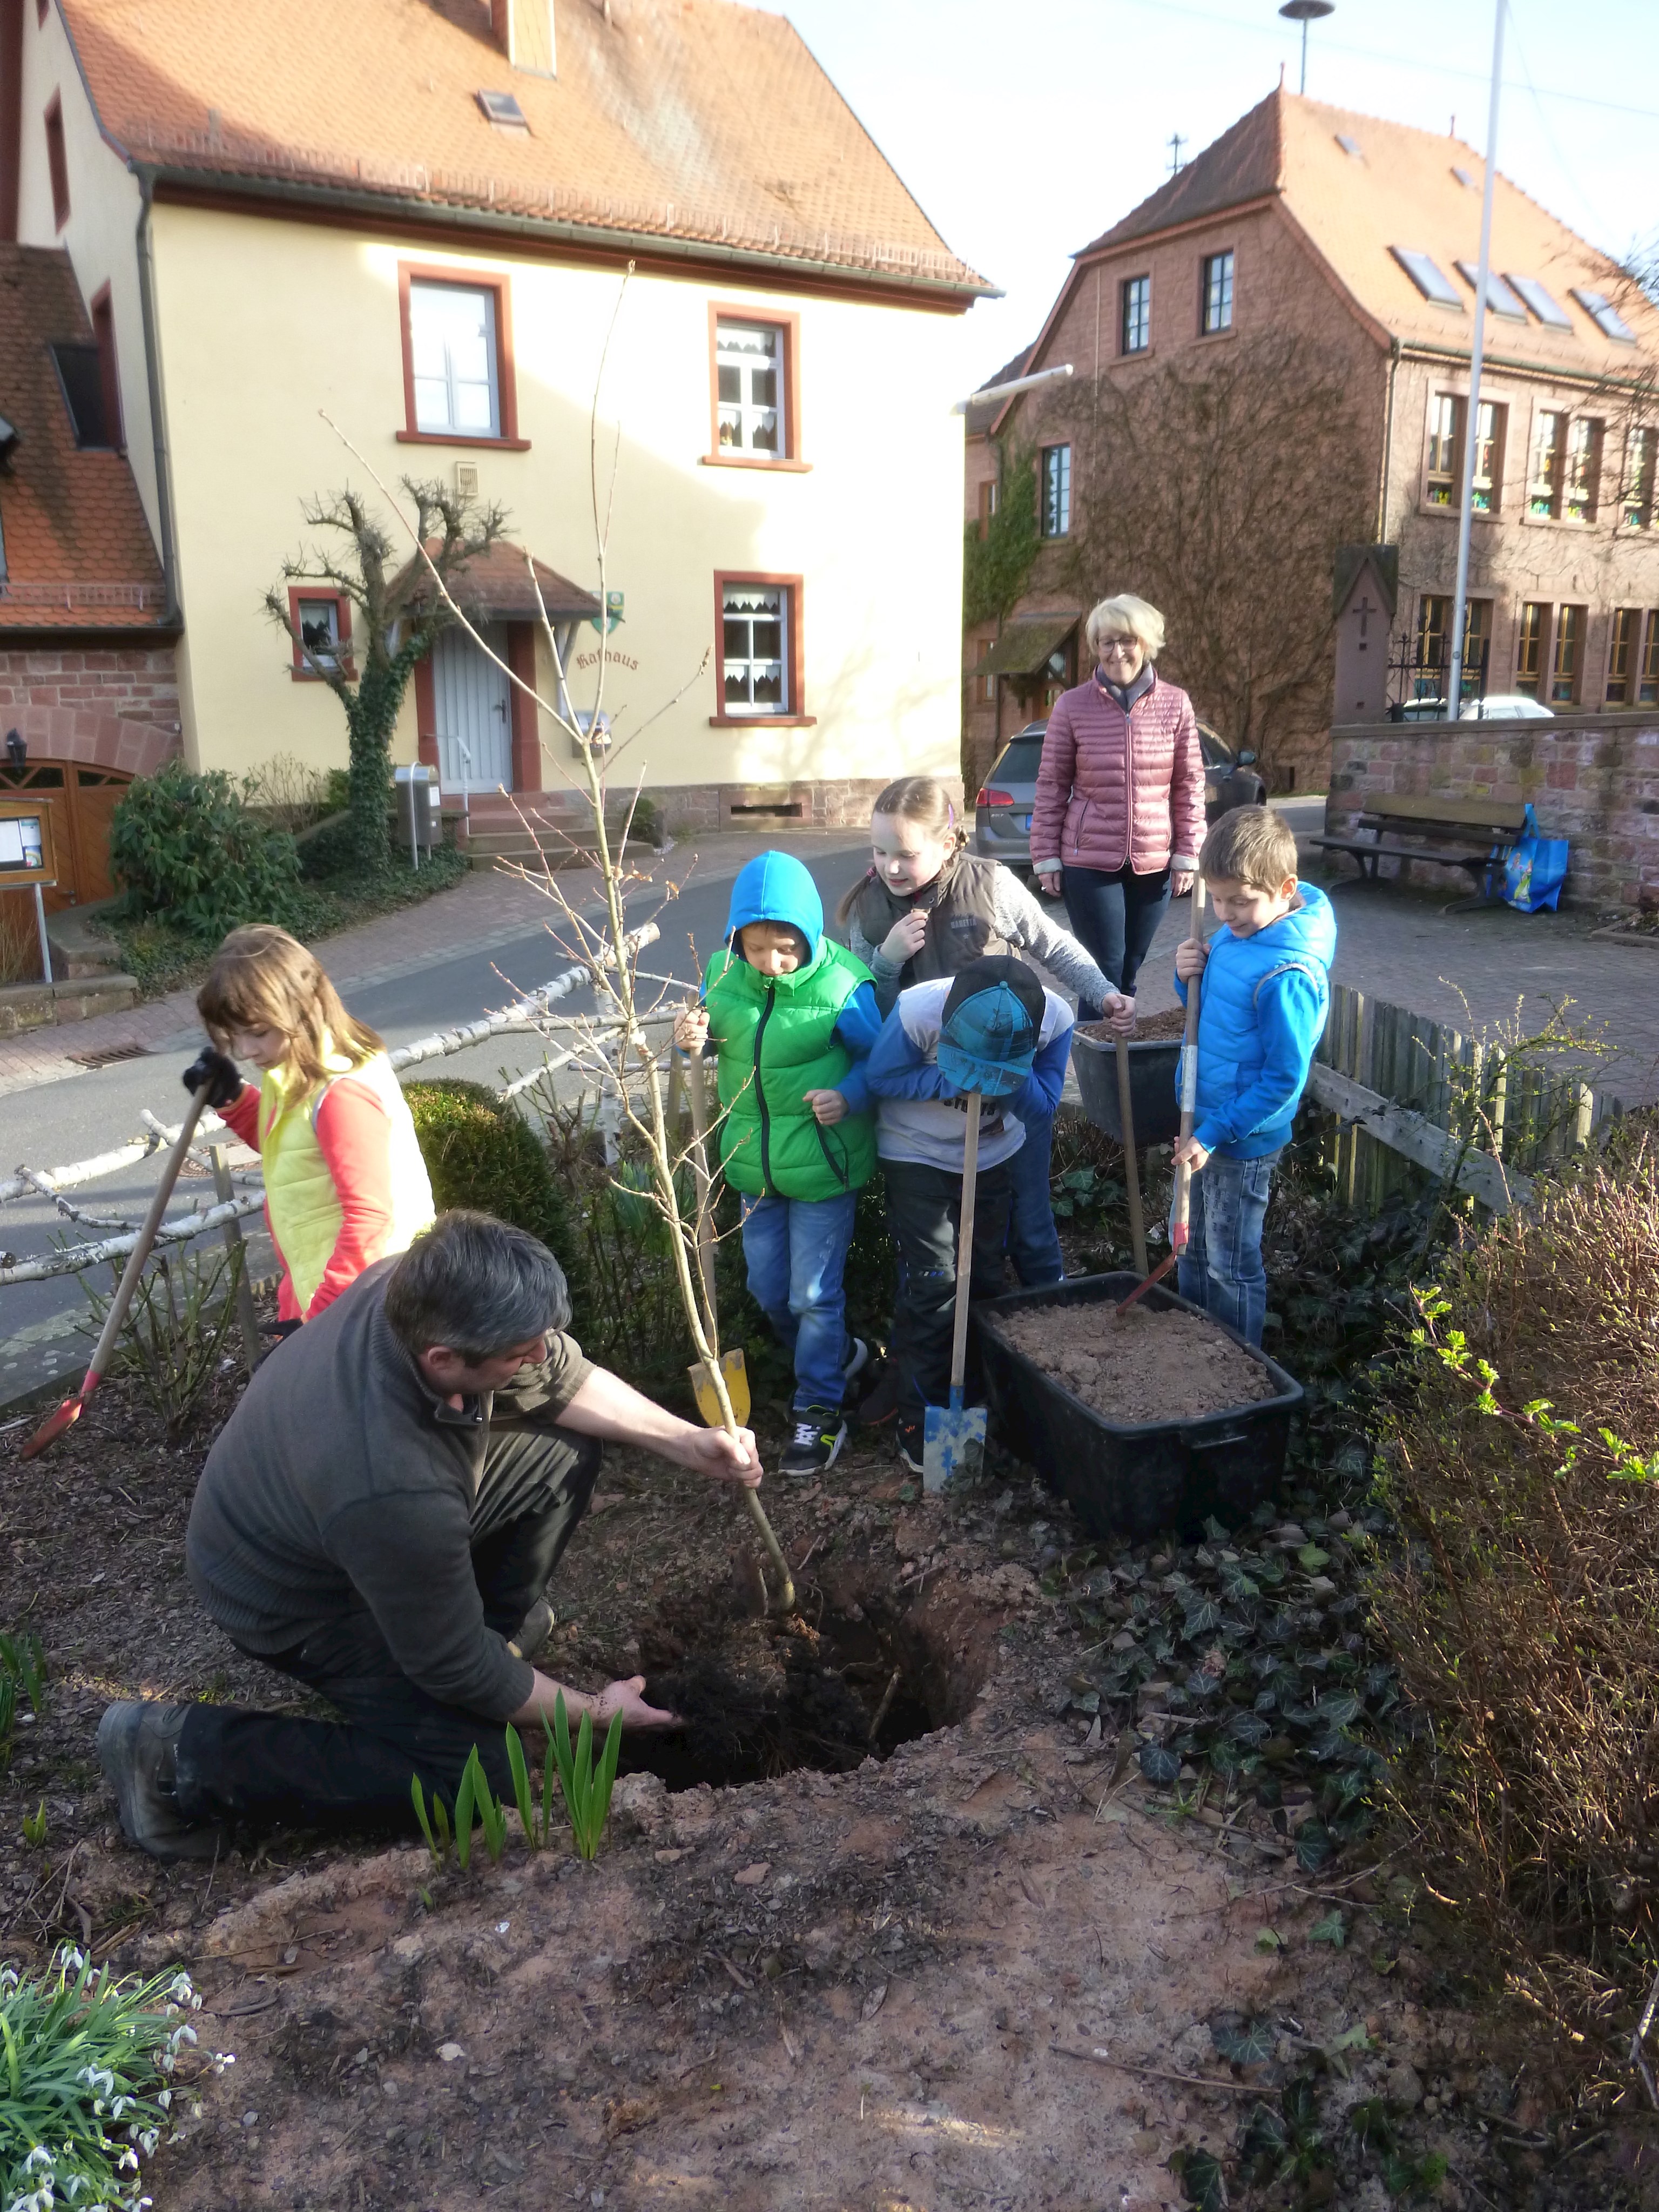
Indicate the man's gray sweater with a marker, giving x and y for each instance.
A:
(342, 1479)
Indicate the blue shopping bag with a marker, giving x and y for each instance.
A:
(1535, 870)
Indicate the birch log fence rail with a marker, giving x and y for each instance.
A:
(195, 1221)
(1414, 1096)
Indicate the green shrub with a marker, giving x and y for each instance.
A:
(187, 845)
(480, 1152)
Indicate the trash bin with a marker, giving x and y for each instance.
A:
(420, 825)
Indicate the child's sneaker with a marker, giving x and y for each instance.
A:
(881, 1401)
(820, 1433)
(911, 1445)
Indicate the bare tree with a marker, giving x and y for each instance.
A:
(1219, 489)
(398, 616)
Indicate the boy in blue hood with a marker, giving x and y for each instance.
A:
(792, 1016)
(1261, 1010)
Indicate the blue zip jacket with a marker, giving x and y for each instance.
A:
(1261, 1011)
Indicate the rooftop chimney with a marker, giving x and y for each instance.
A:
(523, 29)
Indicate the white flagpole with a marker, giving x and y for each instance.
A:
(1460, 598)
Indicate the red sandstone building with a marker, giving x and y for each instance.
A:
(1363, 235)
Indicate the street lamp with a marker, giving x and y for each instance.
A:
(1305, 12)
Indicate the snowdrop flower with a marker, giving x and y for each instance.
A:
(179, 1988)
(98, 2077)
(40, 2156)
(164, 2098)
(128, 2161)
(147, 2141)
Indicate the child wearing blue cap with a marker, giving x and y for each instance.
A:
(991, 1027)
(792, 1016)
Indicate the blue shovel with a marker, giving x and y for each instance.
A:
(953, 1436)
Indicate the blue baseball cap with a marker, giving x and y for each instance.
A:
(989, 1030)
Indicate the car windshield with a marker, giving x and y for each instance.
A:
(1018, 764)
(1216, 753)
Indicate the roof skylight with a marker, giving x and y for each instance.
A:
(1350, 146)
(1431, 280)
(1605, 316)
(504, 110)
(1543, 304)
(1500, 300)
(1463, 178)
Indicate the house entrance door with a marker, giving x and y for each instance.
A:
(470, 694)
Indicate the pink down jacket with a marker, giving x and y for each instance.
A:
(1114, 786)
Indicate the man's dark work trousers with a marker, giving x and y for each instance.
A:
(924, 1208)
(269, 1768)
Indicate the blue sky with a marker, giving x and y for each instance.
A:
(1025, 130)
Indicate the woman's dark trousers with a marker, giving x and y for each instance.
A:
(1115, 915)
(272, 1769)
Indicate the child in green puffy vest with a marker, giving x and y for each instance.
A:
(792, 1016)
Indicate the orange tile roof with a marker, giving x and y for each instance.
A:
(686, 120)
(494, 586)
(78, 551)
(1400, 189)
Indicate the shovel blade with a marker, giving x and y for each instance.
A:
(736, 1378)
(53, 1427)
(953, 1443)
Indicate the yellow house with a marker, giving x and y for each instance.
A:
(414, 217)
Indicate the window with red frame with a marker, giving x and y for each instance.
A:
(321, 630)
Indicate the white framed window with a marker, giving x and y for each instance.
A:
(1056, 507)
(1217, 296)
(749, 373)
(755, 656)
(1137, 318)
(452, 347)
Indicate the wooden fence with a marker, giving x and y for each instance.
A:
(1415, 1097)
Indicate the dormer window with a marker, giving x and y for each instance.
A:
(1430, 278)
(1605, 316)
(501, 109)
(1543, 304)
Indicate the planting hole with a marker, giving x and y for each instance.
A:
(760, 1696)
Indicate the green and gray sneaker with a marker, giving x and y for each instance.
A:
(820, 1433)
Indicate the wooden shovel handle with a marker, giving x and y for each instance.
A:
(1184, 1192)
(1130, 1165)
(965, 1246)
(700, 1175)
(141, 1251)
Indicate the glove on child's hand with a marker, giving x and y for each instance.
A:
(219, 1071)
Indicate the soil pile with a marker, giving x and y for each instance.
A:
(1151, 1029)
(1139, 1366)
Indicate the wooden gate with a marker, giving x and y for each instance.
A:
(83, 799)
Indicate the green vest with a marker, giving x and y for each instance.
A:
(775, 1035)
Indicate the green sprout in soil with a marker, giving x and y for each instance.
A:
(86, 2082)
(586, 1791)
(23, 1668)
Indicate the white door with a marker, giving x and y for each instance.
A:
(475, 736)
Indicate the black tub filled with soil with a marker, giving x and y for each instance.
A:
(1152, 1099)
(1144, 1421)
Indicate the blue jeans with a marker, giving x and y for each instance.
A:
(1033, 1241)
(1221, 1268)
(796, 1248)
(1114, 916)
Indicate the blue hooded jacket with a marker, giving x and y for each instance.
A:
(1261, 1010)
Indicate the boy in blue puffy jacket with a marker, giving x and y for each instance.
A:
(1261, 1010)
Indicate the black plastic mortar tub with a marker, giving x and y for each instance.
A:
(1153, 1097)
(1126, 1479)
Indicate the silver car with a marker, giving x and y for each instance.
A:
(1002, 812)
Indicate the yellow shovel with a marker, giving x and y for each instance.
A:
(733, 1370)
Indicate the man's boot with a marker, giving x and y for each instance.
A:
(138, 1748)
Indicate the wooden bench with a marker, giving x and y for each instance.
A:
(1475, 834)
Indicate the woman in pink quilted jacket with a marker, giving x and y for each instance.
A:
(1118, 816)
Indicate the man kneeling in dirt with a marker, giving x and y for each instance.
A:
(380, 1519)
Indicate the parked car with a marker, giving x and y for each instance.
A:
(1002, 812)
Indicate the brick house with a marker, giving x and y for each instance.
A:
(88, 684)
(1361, 236)
(426, 234)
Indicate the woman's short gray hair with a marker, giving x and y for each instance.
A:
(1126, 616)
(478, 1286)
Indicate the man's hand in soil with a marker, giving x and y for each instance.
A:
(1189, 1153)
(626, 1698)
(607, 1407)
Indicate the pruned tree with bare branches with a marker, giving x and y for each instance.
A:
(1219, 488)
(612, 1049)
(398, 618)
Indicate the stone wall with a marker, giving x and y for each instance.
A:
(110, 706)
(1593, 780)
